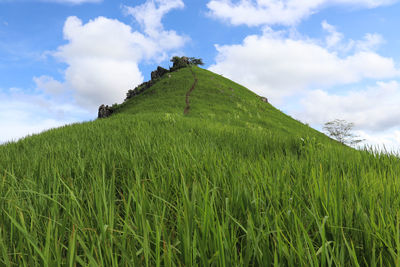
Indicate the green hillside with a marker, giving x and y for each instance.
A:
(227, 180)
(214, 100)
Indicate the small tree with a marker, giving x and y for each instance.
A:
(341, 130)
(183, 62)
(196, 61)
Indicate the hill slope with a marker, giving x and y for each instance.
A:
(233, 182)
(214, 99)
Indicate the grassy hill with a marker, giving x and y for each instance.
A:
(233, 182)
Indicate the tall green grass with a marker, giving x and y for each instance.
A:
(157, 188)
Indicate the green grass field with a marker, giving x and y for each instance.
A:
(235, 182)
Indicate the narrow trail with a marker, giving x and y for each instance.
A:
(187, 108)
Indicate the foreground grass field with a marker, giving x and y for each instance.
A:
(234, 182)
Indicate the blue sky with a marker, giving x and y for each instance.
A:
(316, 60)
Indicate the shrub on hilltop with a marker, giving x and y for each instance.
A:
(183, 62)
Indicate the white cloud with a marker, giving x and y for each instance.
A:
(102, 58)
(149, 14)
(23, 114)
(385, 141)
(335, 40)
(373, 109)
(370, 42)
(103, 54)
(18, 128)
(49, 85)
(334, 37)
(283, 12)
(276, 66)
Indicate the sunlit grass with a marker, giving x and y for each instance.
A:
(221, 186)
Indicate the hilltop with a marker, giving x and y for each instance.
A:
(195, 170)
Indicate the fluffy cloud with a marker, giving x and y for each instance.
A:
(29, 113)
(334, 37)
(102, 58)
(103, 54)
(149, 14)
(17, 128)
(49, 86)
(373, 109)
(374, 112)
(335, 40)
(371, 41)
(385, 141)
(284, 12)
(277, 66)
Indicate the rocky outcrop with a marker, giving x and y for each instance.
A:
(155, 76)
(104, 112)
(158, 73)
(264, 99)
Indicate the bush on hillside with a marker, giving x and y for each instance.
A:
(138, 89)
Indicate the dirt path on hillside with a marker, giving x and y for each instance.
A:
(187, 108)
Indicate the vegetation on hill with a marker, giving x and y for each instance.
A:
(233, 182)
(178, 63)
